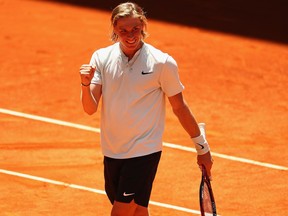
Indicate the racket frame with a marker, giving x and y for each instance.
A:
(205, 179)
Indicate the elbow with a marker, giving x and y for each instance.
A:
(89, 108)
(90, 111)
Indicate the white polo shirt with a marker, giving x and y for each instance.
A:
(133, 98)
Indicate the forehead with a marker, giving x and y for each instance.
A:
(128, 22)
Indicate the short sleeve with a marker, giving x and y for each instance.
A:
(169, 78)
(97, 79)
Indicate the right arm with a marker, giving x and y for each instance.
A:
(90, 93)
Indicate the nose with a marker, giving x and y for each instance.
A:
(130, 34)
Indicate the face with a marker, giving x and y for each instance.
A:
(129, 31)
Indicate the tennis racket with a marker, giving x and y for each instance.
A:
(206, 197)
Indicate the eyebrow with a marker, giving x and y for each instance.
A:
(132, 26)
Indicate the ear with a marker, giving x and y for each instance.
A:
(114, 36)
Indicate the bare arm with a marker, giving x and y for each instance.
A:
(185, 116)
(90, 97)
(90, 93)
(188, 122)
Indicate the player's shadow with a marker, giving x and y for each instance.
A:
(263, 19)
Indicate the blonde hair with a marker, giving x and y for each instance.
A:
(128, 9)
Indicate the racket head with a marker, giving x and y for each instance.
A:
(206, 197)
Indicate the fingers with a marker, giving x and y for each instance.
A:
(86, 74)
(86, 69)
(208, 171)
(209, 174)
(207, 161)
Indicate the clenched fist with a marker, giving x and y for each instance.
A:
(86, 74)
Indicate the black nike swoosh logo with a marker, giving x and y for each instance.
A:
(202, 147)
(145, 73)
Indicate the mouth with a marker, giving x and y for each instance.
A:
(131, 41)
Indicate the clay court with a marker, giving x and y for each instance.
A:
(50, 158)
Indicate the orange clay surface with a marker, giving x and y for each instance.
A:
(237, 85)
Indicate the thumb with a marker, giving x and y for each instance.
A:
(206, 171)
(93, 67)
(209, 175)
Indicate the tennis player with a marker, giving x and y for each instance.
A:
(134, 78)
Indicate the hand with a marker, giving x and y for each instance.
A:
(86, 74)
(207, 161)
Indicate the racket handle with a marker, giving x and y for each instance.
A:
(202, 127)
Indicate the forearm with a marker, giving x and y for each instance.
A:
(89, 103)
(187, 120)
(189, 123)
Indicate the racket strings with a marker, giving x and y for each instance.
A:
(206, 200)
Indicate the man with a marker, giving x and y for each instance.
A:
(133, 79)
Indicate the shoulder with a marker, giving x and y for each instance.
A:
(158, 55)
(102, 56)
(107, 51)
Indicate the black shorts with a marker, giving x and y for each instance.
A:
(130, 179)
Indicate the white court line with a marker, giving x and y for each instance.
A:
(170, 145)
(49, 120)
(233, 158)
(79, 187)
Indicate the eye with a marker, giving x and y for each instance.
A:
(137, 28)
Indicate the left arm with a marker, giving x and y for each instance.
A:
(188, 122)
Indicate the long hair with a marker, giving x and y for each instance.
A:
(128, 9)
